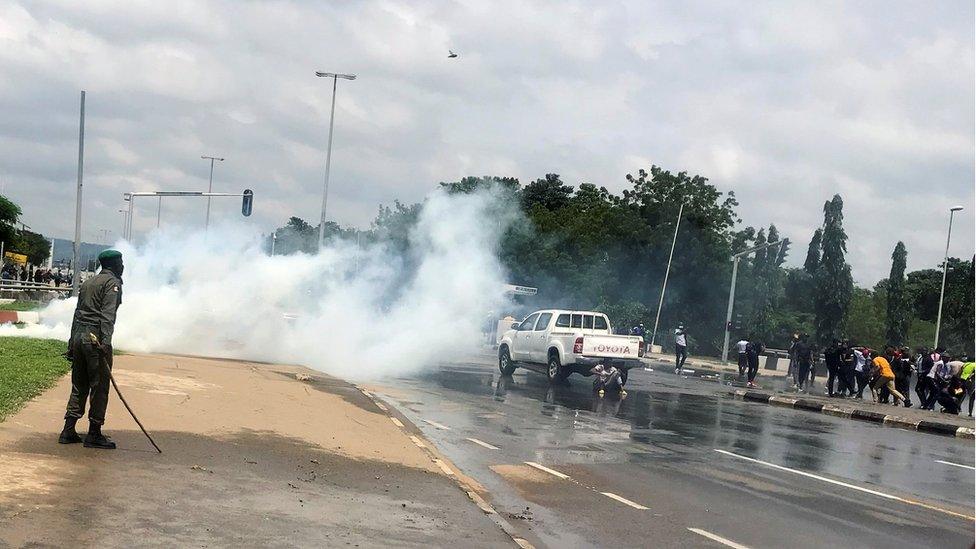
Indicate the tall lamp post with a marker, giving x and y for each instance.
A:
(728, 314)
(945, 267)
(667, 272)
(209, 189)
(328, 155)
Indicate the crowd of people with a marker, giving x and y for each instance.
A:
(941, 378)
(52, 277)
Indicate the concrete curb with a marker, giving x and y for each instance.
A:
(924, 426)
(427, 449)
(27, 317)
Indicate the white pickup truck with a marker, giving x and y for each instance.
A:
(563, 342)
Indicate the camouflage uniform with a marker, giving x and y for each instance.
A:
(98, 300)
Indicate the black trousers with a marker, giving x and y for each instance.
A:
(832, 373)
(743, 363)
(846, 380)
(89, 381)
(922, 388)
(680, 354)
(903, 384)
(803, 374)
(753, 367)
(862, 381)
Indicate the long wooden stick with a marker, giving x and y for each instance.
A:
(131, 413)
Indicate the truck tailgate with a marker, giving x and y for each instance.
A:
(611, 346)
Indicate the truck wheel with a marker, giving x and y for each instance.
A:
(505, 364)
(554, 370)
(623, 376)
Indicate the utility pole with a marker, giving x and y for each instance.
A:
(728, 314)
(945, 268)
(667, 272)
(209, 188)
(328, 155)
(81, 165)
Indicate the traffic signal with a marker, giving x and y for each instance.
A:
(784, 248)
(248, 202)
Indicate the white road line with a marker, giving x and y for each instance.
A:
(546, 469)
(625, 501)
(719, 539)
(396, 421)
(956, 464)
(365, 392)
(438, 425)
(447, 470)
(380, 406)
(482, 443)
(844, 484)
(418, 442)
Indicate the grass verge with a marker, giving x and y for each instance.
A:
(20, 306)
(27, 368)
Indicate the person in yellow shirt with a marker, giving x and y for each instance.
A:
(886, 378)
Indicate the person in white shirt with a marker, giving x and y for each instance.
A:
(741, 347)
(680, 348)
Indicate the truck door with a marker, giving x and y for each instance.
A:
(540, 339)
(522, 341)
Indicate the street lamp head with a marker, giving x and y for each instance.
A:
(335, 75)
(955, 208)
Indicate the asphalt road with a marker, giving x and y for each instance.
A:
(674, 465)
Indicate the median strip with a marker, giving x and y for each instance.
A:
(396, 422)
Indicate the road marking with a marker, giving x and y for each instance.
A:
(851, 486)
(438, 425)
(546, 469)
(417, 441)
(447, 470)
(625, 501)
(380, 406)
(482, 443)
(956, 464)
(396, 421)
(719, 539)
(365, 392)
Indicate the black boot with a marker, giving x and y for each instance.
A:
(96, 439)
(68, 434)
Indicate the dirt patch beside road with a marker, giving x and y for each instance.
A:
(252, 456)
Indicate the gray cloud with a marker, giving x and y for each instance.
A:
(786, 104)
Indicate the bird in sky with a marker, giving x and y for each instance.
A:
(451, 54)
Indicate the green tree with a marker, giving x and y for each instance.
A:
(33, 245)
(899, 316)
(813, 253)
(549, 193)
(834, 284)
(9, 213)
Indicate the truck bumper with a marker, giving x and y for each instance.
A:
(583, 364)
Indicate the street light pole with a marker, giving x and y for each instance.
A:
(209, 188)
(945, 268)
(728, 314)
(328, 155)
(667, 272)
(81, 165)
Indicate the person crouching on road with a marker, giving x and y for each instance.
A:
(607, 379)
(90, 351)
(885, 378)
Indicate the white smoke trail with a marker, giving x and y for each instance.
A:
(357, 312)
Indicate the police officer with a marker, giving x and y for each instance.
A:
(90, 351)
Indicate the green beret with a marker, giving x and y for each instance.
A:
(109, 254)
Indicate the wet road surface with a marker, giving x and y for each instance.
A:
(674, 465)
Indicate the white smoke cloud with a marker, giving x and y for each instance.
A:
(358, 312)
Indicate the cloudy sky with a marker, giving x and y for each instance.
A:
(786, 103)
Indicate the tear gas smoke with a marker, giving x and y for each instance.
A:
(356, 312)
